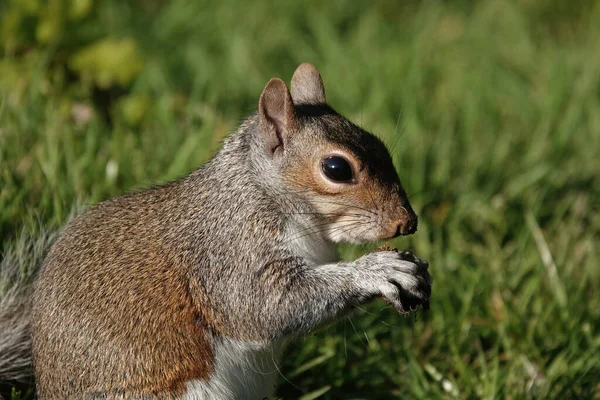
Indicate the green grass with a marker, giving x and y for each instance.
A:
(493, 113)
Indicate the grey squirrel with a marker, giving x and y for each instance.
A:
(187, 290)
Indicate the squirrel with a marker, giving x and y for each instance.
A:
(187, 290)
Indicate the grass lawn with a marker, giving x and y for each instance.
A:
(491, 109)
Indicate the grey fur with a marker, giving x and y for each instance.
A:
(18, 266)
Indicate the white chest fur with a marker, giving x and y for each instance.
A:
(243, 370)
(308, 243)
(249, 370)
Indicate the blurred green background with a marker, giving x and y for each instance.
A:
(493, 112)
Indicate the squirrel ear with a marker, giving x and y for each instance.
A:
(276, 115)
(307, 85)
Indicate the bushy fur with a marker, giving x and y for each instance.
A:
(18, 267)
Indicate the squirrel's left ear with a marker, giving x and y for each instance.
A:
(276, 116)
(307, 85)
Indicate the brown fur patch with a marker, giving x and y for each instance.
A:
(113, 313)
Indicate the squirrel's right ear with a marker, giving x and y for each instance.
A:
(307, 85)
(276, 116)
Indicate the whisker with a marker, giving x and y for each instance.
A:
(398, 137)
(422, 191)
(357, 334)
(323, 214)
(368, 341)
(363, 231)
(365, 311)
(378, 210)
(344, 231)
(291, 193)
(390, 325)
(345, 344)
(395, 132)
(281, 373)
(311, 230)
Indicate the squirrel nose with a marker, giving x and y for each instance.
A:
(408, 226)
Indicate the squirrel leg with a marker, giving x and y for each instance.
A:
(312, 296)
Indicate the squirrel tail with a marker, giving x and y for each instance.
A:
(18, 266)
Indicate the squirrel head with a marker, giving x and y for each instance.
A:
(341, 173)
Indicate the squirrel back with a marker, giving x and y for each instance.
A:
(182, 289)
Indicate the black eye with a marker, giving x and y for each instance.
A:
(337, 169)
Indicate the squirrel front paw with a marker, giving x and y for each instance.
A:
(400, 277)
